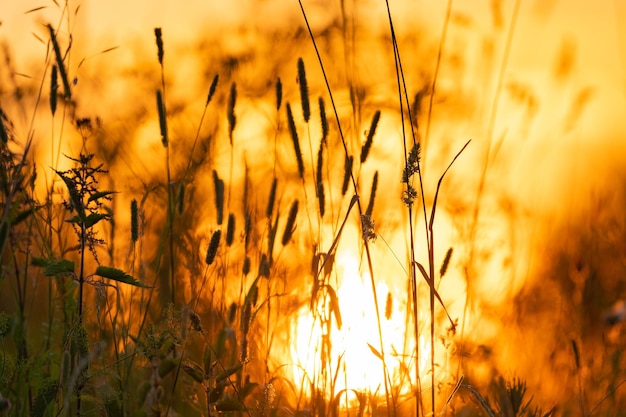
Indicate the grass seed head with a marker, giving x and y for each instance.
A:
(232, 313)
(295, 141)
(445, 263)
(219, 197)
(365, 149)
(304, 91)
(134, 221)
(59, 58)
(159, 41)
(213, 246)
(212, 89)
(272, 198)
(230, 229)
(291, 221)
(53, 89)
(388, 306)
(264, 266)
(162, 118)
(370, 205)
(347, 173)
(232, 118)
(321, 197)
(245, 269)
(323, 120)
(279, 93)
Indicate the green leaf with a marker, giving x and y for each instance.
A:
(22, 215)
(119, 276)
(226, 338)
(54, 267)
(206, 359)
(44, 398)
(98, 195)
(94, 218)
(167, 365)
(228, 372)
(193, 370)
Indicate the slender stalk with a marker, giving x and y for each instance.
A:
(360, 210)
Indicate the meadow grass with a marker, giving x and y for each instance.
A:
(181, 322)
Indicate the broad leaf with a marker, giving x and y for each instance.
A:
(119, 276)
(193, 370)
(54, 267)
(98, 195)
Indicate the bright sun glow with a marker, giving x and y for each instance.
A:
(352, 347)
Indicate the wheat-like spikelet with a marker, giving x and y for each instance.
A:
(320, 184)
(279, 93)
(290, 226)
(219, 197)
(370, 205)
(232, 313)
(159, 41)
(304, 91)
(272, 198)
(230, 229)
(445, 263)
(245, 269)
(323, 120)
(162, 118)
(212, 89)
(295, 140)
(388, 306)
(347, 172)
(4, 133)
(53, 89)
(365, 149)
(321, 197)
(134, 221)
(247, 228)
(57, 53)
(213, 246)
(232, 118)
(246, 314)
(181, 198)
(320, 163)
(264, 266)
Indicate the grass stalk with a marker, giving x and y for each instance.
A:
(370, 265)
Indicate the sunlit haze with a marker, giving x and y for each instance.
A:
(533, 208)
